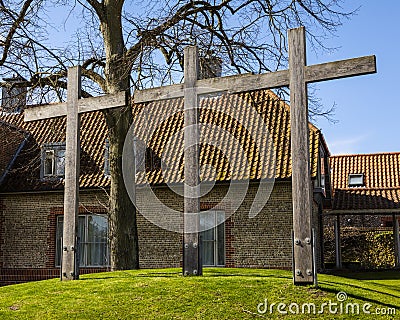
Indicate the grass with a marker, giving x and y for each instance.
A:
(219, 294)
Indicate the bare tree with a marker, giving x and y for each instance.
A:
(128, 45)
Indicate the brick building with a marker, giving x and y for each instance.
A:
(366, 204)
(31, 186)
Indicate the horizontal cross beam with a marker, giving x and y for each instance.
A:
(84, 105)
(247, 82)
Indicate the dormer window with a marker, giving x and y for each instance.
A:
(53, 160)
(356, 180)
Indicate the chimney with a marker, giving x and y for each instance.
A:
(210, 66)
(13, 98)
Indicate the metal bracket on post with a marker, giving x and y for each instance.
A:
(298, 272)
(192, 249)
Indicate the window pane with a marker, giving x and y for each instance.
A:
(81, 236)
(356, 179)
(220, 217)
(208, 253)
(207, 221)
(97, 254)
(97, 240)
(220, 238)
(208, 235)
(93, 241)
(213, 237)
(93, 244)
(97, 228)
(59, 234)
(221, 244)
(48, 169)
(60, 163)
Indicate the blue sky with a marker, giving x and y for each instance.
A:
(367, 108)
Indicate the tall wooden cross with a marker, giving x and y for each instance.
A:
(297, 78)
(72, 109)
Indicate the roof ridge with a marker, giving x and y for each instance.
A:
(367, 188)
(365, 154)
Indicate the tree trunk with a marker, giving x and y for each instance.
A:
(122, 214)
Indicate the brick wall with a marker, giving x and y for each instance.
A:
(1, 230)
(27, 232)
(263, 241)
(28, 226)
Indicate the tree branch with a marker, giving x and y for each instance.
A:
(15, 25)
(97, 7)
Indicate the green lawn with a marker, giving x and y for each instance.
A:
(219, 294)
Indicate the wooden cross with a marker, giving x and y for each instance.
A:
(297, 78)
(72, 109)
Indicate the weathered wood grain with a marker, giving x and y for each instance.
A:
(248, 82)
(71, 194)
(72, 109)
(301, 181)
(191, 261)
(340, 69)
(84, 105)
(296, 78)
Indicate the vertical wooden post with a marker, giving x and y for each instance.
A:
(396, 241)
(191, 217)
(71, 196)
(338, 245)
(301, 182)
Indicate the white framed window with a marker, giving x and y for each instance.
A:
(93, 240)
(356, 180)
(53, 160)
(212, 238)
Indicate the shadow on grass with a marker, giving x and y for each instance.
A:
(363, 298)
(124, 275)
(178, 274)
(248, 276)
(369, 275)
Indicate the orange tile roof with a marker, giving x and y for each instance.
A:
(358, 199)
(11, 139)
(381, 170)
(25, 174)
(381, 187)
(228, 112)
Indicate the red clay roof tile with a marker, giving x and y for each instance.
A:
(215, 111)
(381, 189)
